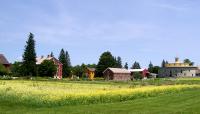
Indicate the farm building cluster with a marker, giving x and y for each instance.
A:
(176, 69)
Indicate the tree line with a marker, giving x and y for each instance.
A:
(28, 66)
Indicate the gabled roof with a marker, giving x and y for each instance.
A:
(118, 70)
(39, 60)
(91, 69)
(3, 60)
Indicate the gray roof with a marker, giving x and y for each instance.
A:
(118, 70)
(3, 60)
(91, 69)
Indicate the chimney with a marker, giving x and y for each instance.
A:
(42, 57)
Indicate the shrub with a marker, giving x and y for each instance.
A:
(3, 70)
(16, 69)
(137, 76)
(47, 68)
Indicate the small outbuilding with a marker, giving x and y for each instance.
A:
(117, 74)
(90, 72)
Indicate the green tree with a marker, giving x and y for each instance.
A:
(150, 69)
(52, 55)
(137, 76)
(29, 57)
(156, 69)
(188, 61)
(118, 62)
(126, 65)
(106, 60)
(136, 65)
(163, 63)
(79, 70)
(16, 69)
(62, 59)
(47, 68)
(91, 65)
(3, 70)
(65, 60)
(68, 67)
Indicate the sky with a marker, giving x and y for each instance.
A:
(135, 30)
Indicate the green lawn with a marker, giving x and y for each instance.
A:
(159, 96)
(187, 102)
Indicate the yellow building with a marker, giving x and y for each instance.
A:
(90, 73)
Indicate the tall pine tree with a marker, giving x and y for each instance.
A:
(151, 67)
(136, 65)
(65, 60)
(163, 63)
(119, 62)
(68, 66)
(29, 57)
(126, 65)
(52, 55)
(62, 59)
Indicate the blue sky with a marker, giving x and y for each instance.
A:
(136, 30)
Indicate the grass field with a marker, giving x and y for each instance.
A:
(149, 96)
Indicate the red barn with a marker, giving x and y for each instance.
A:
(56, 62)
(117, 74)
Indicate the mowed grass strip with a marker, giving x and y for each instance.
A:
(51, 94)
(183, 102)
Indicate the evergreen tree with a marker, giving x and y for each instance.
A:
(106, 60)
(29, 57)
(68, 59)
(65, 60)
(52, 55)
(62, 59)
(116, 64)
(68, 66)
(150, 69)
(136, 65)
(163, 63)
(119, 62)
(126, 65)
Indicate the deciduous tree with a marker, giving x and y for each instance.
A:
(106, 60)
